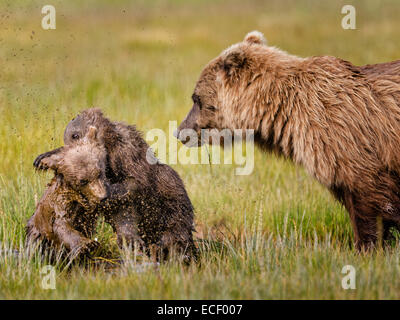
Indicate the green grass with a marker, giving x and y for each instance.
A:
(275, 234)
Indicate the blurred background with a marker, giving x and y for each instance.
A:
(139, 61)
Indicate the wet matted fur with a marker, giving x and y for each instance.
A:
(148, 204)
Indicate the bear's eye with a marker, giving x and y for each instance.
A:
(196, 100)
(83, 182)
(211, 108)
(75, 136)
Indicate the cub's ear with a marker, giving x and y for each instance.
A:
(255, 37)
(234, 62)
(92, 133)
(53, 162)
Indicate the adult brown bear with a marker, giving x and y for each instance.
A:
(340, 121)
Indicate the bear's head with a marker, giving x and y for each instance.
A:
(229, 87)
(82, 166)
(78, 127)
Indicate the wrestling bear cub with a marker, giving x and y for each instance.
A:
(147, 203)
(66, 215)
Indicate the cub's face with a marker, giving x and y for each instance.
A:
(83, 167)
(78, 128)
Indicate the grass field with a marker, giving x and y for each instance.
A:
(275, 234)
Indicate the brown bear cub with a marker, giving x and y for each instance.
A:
(341, 122)
(66, 215)
(147, 202)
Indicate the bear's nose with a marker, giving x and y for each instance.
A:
(102, 197)
(98, 190)
(180, 137)
(185, 135)
(176, 133)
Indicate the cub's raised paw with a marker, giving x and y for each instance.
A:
(39, 163)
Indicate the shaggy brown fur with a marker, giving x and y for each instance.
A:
(66, 214)
(148, 203)
(340, 121)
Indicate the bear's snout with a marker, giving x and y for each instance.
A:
(98, 190)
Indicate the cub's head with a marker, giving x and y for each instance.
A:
(229, 87)
(78, 128)
(82, 166)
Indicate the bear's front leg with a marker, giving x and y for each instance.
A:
(39, 229)
(125, 225)
(73, 240)
(368, 224)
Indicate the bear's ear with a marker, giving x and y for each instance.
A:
(255, 37)
(92, 133)
(234, 62)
